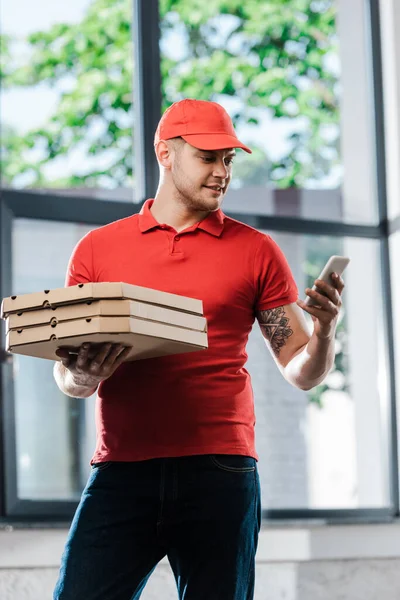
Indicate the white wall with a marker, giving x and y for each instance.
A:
(293, 563)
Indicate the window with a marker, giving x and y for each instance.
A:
(298, 81)
(325, 449)
(395, 274)
(390, 49)
(278, 69)
(66, 105)
(54, 437)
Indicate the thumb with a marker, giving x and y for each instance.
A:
(64, 355)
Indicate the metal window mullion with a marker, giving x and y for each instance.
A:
(310, 227)
(66, 209)
(8, 457)
(34, 205)
(146, 93)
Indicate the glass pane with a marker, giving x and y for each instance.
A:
(326, 448)
(277, 68)
(54, 437)
(66, 102)
(395, 277)
(390, 52)
(322, 449)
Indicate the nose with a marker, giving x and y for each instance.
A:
(220, 170)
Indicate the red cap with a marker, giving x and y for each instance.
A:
(204, 125)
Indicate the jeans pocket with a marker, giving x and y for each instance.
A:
(234, 463)
(101, 466)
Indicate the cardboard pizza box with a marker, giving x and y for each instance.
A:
(106, 308)
(148, 339)
(98, 291)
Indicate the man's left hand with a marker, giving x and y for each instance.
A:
(326, 311)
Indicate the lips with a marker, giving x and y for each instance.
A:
(215, 188)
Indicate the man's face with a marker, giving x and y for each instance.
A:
(201, 177)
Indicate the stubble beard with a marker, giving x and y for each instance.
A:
(194, 198)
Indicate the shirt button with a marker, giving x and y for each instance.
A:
(177, 238)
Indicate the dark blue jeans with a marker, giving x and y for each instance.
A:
(202, 512)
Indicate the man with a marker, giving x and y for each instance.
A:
(174, 472)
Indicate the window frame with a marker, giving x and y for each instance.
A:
(49, 206)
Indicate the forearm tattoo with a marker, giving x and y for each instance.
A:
(275, 327)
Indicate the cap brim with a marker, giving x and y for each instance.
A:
(214, 141)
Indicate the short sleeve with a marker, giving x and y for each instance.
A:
(80, 265)
(275, 284)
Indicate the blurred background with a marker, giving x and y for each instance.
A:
(313, 87)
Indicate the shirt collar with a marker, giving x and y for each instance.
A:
(213, 223)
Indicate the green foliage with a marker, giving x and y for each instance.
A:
(5, 56)
(266, 55)
(269, 56)
(92, 65)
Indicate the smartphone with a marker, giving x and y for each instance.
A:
(336, 264)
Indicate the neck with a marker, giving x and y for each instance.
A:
(167, 209)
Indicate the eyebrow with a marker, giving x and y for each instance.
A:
(231, 154)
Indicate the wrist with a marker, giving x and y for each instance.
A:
(84, 381)
(326, 333)
(325, 336)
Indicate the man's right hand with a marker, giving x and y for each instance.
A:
(94, 363)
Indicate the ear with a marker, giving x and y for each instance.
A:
(164, 154)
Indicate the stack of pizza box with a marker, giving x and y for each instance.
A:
(151, 322)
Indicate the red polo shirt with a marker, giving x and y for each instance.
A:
(200, 402)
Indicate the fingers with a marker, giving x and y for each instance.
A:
(326, 291)
(66, 358)
(333, 292)
(322, 302)
(338, 282)
(62, 352)
(326, 304)
(331, 311)
(97, 361)
(83, 355)
(123, 355)
(114, 356)
(100, 360)
(94, 362)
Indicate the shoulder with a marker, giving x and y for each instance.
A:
(103, 237)
(259, 240)
(237, 228)
(116, 228)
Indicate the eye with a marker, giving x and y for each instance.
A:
(207, 159)
(229, 161)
